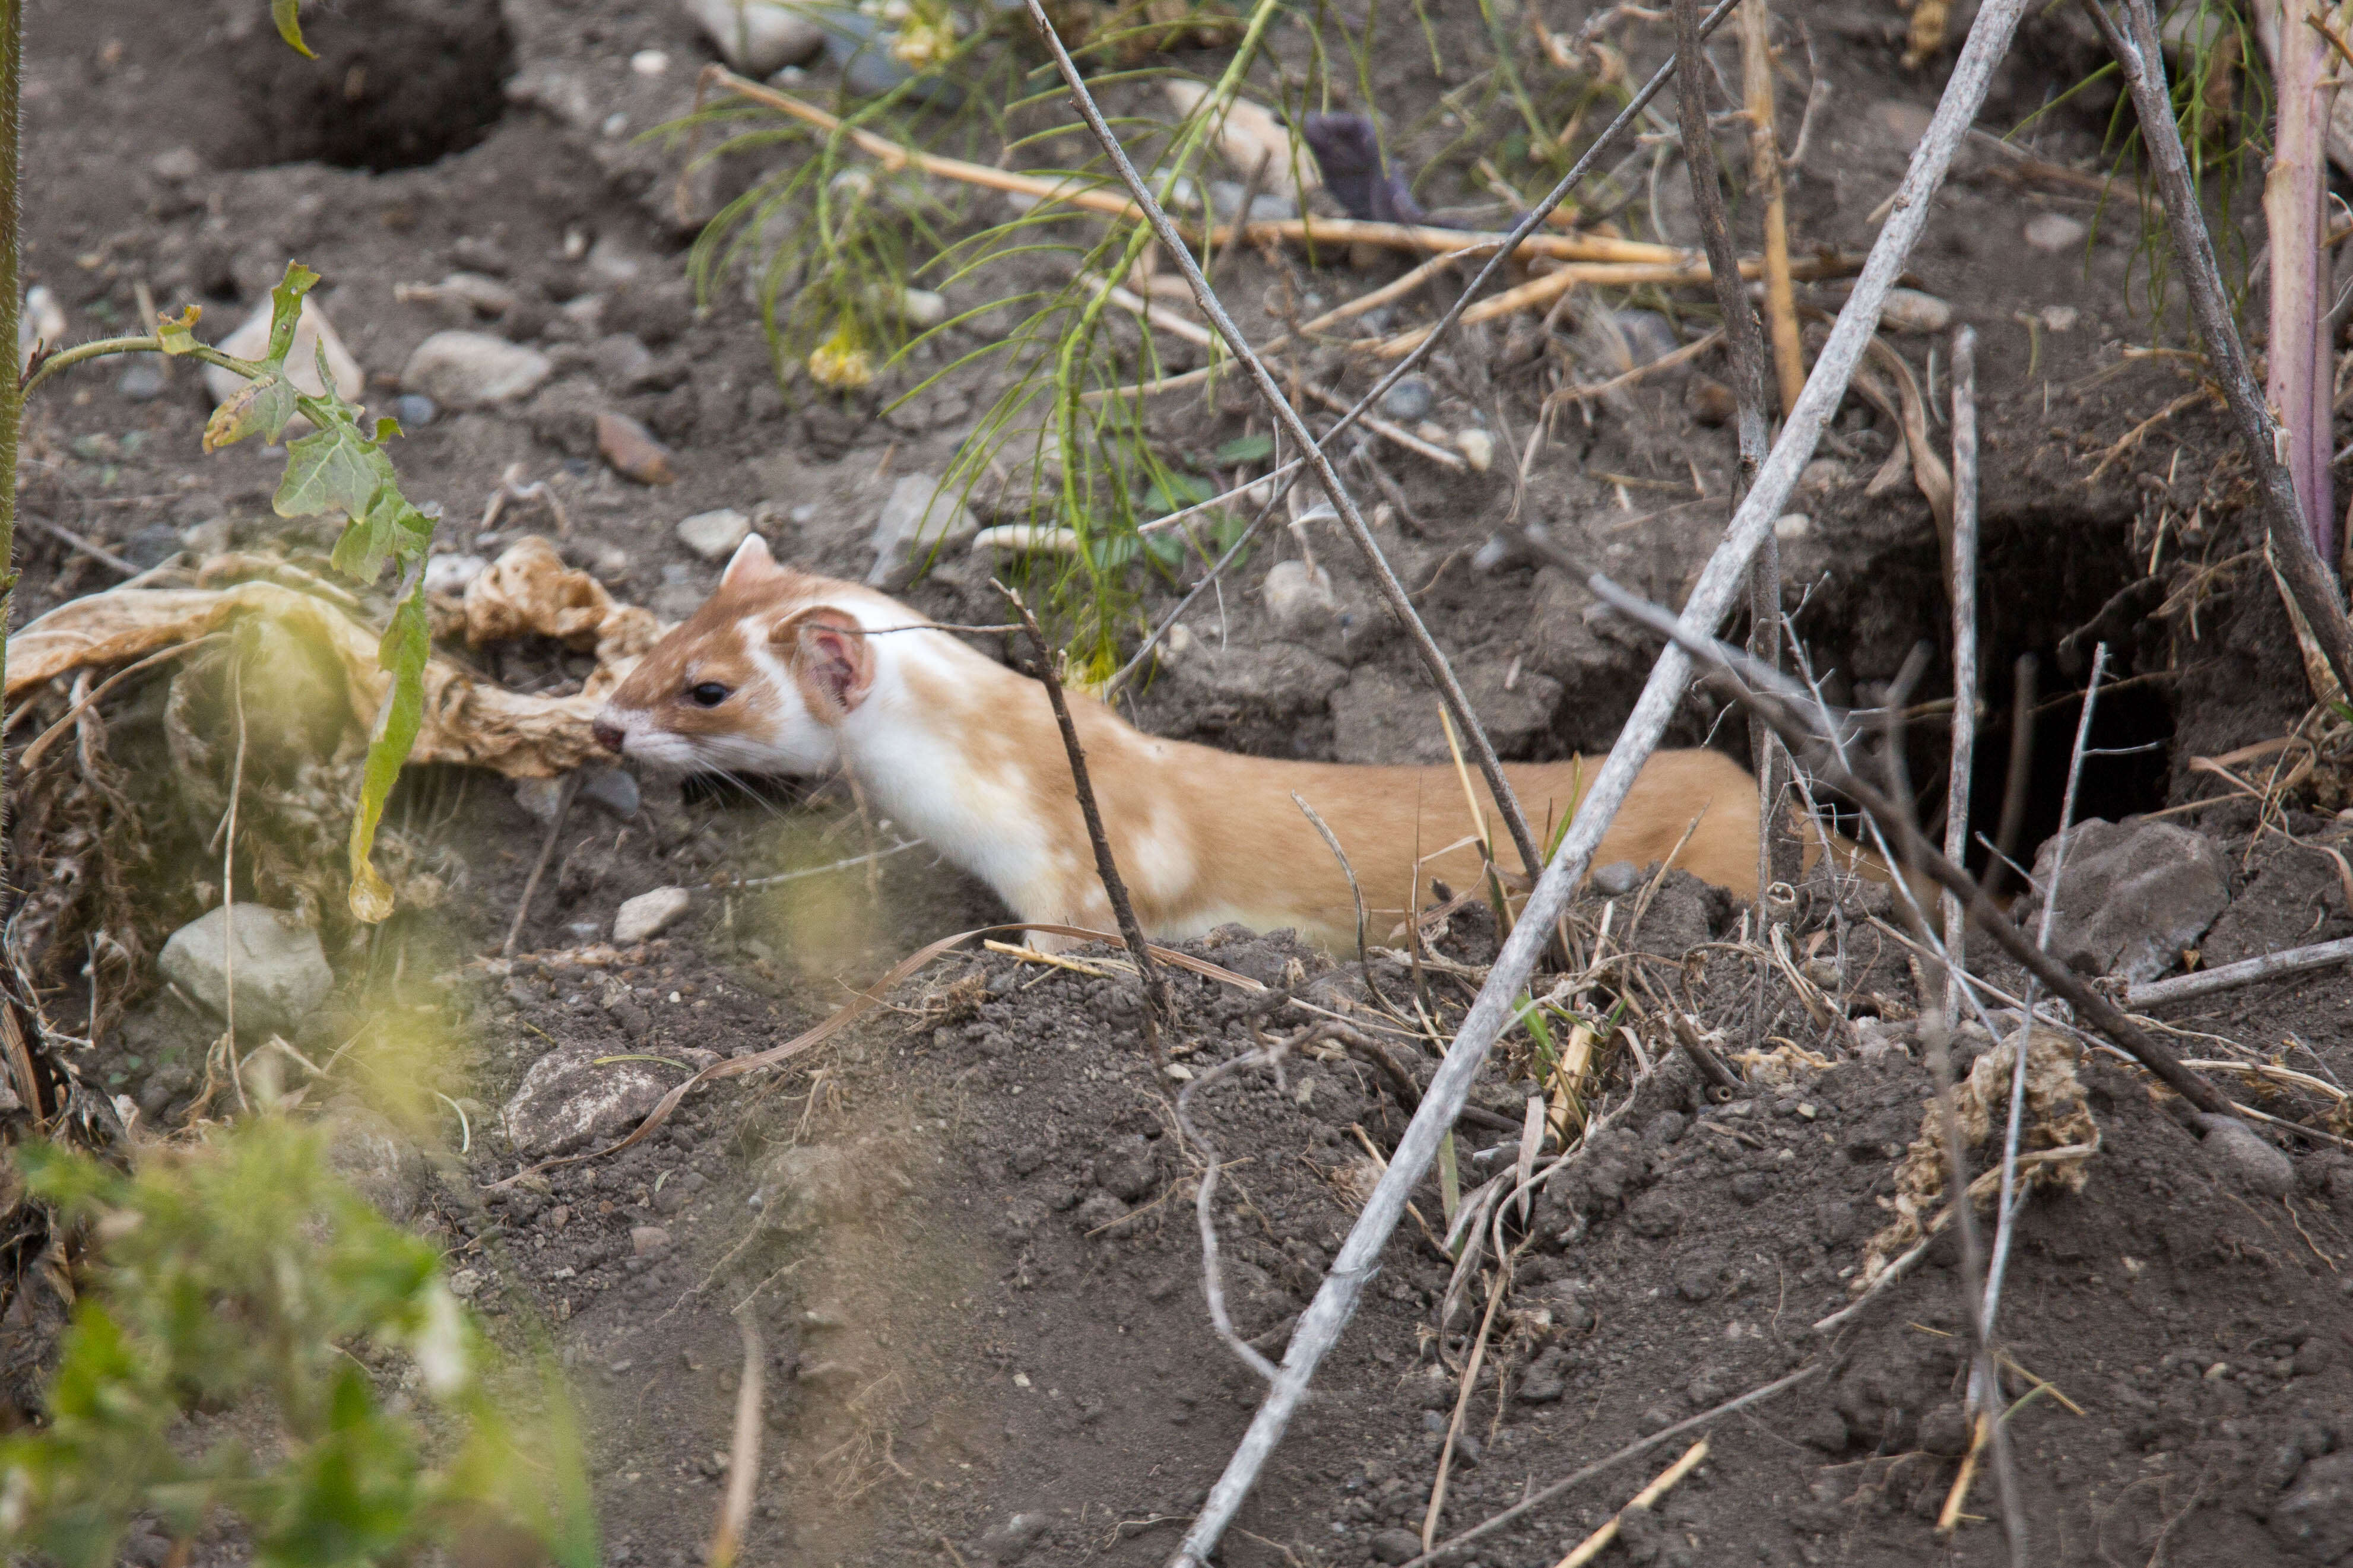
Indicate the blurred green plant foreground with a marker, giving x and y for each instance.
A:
(246, 1309)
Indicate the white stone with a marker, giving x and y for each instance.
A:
(916, 519)
(649, 62)
(649, 914)
(280, 971)
(1910, 311)
(921, 308)
(1028, 539)
(453, 575)
(713, 535)
(42, 321)
(758, 36)
(2053, 231)
(1790, 527)
(1478, 449)
(473, 369)
(2060, 318)
(1299, 598)
(312, 330)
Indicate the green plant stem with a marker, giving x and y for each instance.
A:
(12, 399)
(100, 348)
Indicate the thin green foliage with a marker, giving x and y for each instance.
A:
(341, 468)
(243, 1272)
(288, 15)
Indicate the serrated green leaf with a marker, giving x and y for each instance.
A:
(288, 15)
(407, 644)
(368, 541)
(334, 469)
(178, 333)
(286, 311)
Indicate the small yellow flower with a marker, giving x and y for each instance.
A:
(923, 42)
(841, 364)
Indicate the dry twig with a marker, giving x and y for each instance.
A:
(2140, 56)
(1156, 987)
(1440, 672)
(1495, 1009)
(1963, 575)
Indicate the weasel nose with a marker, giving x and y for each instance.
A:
(608, 736)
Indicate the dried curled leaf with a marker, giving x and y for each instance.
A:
(2056, 1141)
(178, 333)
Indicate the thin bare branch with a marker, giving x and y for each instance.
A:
(1353, 519)
(1156, 987)
(1963, 575)
(1495, 1009)
(2141, 57)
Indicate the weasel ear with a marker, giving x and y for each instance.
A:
(750, 562)
(828, 652)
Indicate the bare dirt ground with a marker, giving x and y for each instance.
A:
(965, 1227)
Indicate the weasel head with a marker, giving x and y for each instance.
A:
(759, 679)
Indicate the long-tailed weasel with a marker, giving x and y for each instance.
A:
(781, 672)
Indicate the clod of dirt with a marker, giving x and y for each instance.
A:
(395, 85)
(2239, 1149)
(2315, 1520)
(2133, 895)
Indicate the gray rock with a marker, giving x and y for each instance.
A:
(713, 535)
(916, 519)
(2131, 895)
(415, 410)
(757, 37)
(862, 47)
(281, 971)
(2239, 1149)
(1299, 598)
(1008, 1543)
(1408, 400)
(614, 789)
(474, 370)
(1616, 879)
(1396, 1545)
(542, 798)
(2315, 1518)
(367, 1151)
(648, 914)
(567, 1099)
(1380, 717)
(1126, 1169)
(145, 378)
(646, 1240)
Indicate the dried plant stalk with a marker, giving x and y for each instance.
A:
(1765, 179)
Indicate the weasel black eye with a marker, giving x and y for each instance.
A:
(709, 694)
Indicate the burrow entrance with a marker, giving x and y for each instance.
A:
(396, 84)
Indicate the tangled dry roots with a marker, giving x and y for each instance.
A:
(2055, 1144)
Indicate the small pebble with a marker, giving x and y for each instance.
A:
(649, 62)
(1910, 311)
(713, 535)
(415, 410)
(2053, 231)
(1407, 401)
(145, 378)
(614, 789)
(1790, 527)
(1478, 449)
(632, 450)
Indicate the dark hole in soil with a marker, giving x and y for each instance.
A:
(2042, 578)
(395, 84)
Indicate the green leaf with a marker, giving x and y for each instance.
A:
(337, 469)
(369, 541)
(387, 427)
(288, 15)
(1243, 449)
(178, 333)
(407, 644)
(286, 311)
